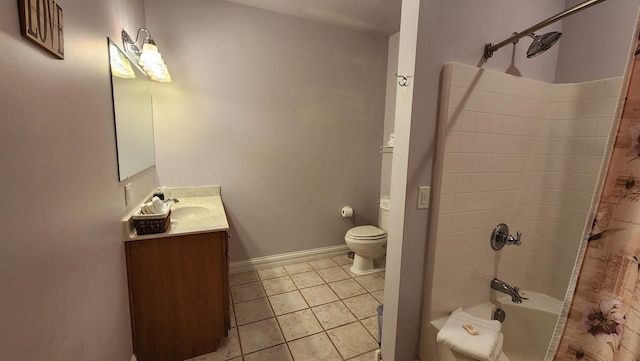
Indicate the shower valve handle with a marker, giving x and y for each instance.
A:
(501, 237)
(515, 241)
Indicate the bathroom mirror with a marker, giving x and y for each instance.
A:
(133, 115)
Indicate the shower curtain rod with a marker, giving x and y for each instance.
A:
(489, 48)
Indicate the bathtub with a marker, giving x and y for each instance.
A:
(527, 328)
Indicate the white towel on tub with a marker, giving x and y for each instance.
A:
(497, 349)
(496, 355)
(486, 346)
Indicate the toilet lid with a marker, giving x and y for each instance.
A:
(366, 232)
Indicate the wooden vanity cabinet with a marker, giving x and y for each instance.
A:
(178, 295)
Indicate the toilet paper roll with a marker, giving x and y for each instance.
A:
(347, 212)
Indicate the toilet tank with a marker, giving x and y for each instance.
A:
(383, 217)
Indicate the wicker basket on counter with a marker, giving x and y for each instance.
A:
(151, 223)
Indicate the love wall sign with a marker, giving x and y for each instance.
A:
(41, 22)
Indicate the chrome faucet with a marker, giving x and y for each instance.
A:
(175, 200)
(503, 287)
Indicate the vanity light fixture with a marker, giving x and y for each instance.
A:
(149, 57)
(120, 65)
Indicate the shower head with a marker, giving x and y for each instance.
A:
(542, 43)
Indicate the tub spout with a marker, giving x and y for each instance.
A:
(503, 287)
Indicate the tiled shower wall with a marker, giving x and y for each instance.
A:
(521, 152)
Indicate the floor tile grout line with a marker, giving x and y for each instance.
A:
(237, 326)
(309, 307)
(316, 317)
(334, 346)
(280, 326)
(239, 340)
(375, 338)
(242, 354)
(290, 352)
(322, 326)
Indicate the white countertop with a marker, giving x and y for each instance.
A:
(213, 221)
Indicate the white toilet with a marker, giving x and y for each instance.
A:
(369, 243)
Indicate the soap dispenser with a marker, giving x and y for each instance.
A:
(159, 193)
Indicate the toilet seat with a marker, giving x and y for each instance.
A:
(365, 233)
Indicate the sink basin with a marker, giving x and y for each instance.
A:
(189, 213)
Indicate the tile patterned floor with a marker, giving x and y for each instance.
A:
(316, 311)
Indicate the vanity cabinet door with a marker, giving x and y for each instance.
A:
(178, 294)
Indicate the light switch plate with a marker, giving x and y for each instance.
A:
(127, 194)
(424, 194)
(385, 204)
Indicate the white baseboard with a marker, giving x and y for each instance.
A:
(259, 263)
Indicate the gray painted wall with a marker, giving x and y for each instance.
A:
(285, 114)
(595, 42)
(62, 264)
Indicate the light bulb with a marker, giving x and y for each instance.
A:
(150, 55)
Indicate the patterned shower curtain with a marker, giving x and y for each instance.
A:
(603, 322)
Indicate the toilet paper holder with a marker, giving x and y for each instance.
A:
(346, 212)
